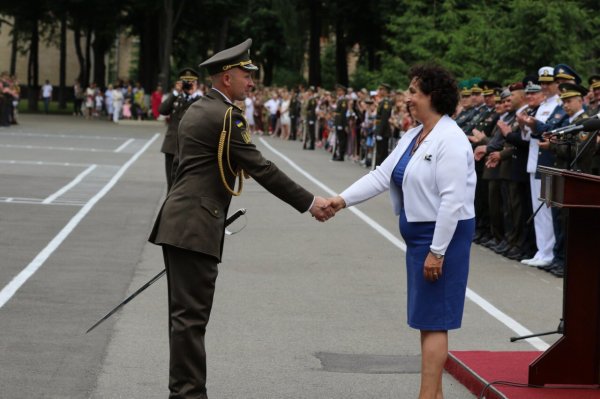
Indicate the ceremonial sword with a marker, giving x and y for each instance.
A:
(229, 220)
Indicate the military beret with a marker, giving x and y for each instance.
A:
(188, 74)
(594, 82)
(546, 74)
(233, 57)
(516, 86)
(568, 90)
(563, 71)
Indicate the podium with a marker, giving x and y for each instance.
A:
(575, 357)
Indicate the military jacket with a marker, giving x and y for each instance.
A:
(382, 118)
(340, 118)
(464, 116)
(311, 109)
(478, 113)
(174, 107)
(520, 152)
(564, 157)
(193, 215)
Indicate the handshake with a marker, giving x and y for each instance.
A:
(325, 208)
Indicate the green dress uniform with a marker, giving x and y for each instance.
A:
(311, 123)
(340, 120)
(383, 130)
(214, 148)
(174, 107)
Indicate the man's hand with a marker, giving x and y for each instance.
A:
(504, 128)
(493, 159)
(337, 203)
(480, 152)
(321, 209)
(477, 136)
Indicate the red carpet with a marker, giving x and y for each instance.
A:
(475, 369)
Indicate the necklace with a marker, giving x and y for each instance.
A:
(420, 139)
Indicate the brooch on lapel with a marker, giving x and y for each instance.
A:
(427, 157)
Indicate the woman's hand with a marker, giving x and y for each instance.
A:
(432, 269)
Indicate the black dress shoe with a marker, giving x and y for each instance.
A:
(551, 266)
(500, 248)
(558, 271)
(514, 253)
(490, 243)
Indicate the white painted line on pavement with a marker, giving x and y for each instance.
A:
(77, 165)
(62, 136)
(9, 290)
(69, 186)
(125, 144)
(41, 147)
(508, 321)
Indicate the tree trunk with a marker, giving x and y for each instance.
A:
(341, 58)
(222, 37)
(33, 88)
(314, 49)
(14, 48)
(167, 23)
(101, 46)
(150, 61)
(79, 53)
(88, 57)
(62, 90)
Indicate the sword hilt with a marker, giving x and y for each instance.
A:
(235, 216)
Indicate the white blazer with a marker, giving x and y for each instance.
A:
(438, 184)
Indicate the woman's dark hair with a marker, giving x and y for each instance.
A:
(439, 83)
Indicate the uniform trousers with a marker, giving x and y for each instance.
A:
(544, 229)
(191, 278)
(382, 150)
(169, 169)
(309, 140)
(496, 209)
(341, 143)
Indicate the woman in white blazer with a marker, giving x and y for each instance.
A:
(431, 179)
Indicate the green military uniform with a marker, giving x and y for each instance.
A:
(594, 82)
(383, 129)
(565, 152)
(174, 107)
(214, 148)
(311, 121)
(340, 120)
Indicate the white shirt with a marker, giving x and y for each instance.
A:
(542, 114)
(47, 90)
(572, 118)
(272, 105)
(438, 184)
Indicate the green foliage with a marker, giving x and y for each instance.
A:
(328, 78)
(497, 40)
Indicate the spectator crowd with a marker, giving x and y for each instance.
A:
(509, 126)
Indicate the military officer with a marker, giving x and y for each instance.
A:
(383, 130)
(466, 107)
(311, 119)
(594, 82)
(565, 151)
(482, 126)
(477, 104)
(215, 149)
(340, 121)
(183, 95)
(549, 113)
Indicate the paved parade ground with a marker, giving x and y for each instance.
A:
(303, 310)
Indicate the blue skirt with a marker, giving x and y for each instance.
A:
(436, 306)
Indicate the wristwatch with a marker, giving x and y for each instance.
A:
(436, 255)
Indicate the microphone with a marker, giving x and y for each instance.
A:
(589, 124)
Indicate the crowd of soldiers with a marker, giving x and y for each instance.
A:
(514, 130)
(508, 126)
